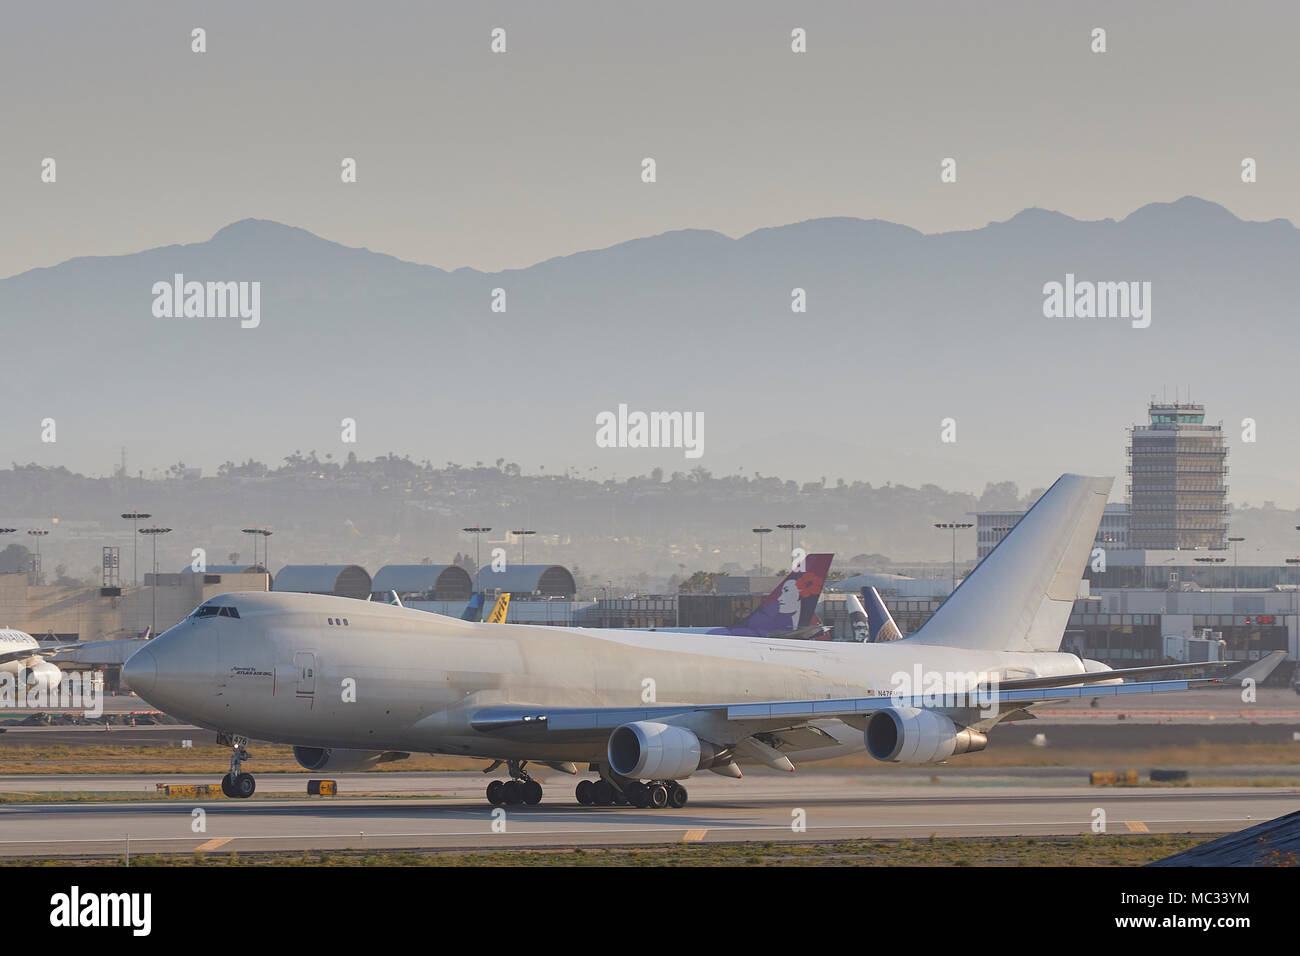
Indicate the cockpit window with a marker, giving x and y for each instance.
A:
(215, 610)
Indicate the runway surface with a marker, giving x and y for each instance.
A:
(833, 805)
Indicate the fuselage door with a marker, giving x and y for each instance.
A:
(305, 662)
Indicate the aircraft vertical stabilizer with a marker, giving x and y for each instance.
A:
(1020, 596)
(880, 623)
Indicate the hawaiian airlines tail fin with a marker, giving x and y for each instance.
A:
(1020, 596)
(791, 606)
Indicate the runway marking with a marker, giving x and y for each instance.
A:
(694, 836)
(214, 843)
(1136, 826)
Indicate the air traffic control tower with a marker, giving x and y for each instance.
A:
(1177, 468)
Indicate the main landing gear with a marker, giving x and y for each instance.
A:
(237, 783)
(652, 794)
(610, 790)
(520, 788)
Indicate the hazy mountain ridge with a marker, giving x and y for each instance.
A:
(902, 330)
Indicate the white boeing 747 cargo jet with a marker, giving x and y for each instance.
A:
(347, 682)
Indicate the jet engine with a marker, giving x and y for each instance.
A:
(324, 758)
(912, 735)
(42, 676)
(645, 750)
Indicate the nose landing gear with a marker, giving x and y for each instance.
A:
(236, 783)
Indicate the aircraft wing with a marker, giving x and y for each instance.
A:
(1258, 670)
(731, 723)
(863, 706)
(44, 650)
(536, 722)
(1015, 695)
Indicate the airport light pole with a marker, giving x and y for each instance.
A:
(792, 527)
(266, 560)
(135, 517)
(37, 533)
(1293, 561)
(523, 544)
(153, 534)
(477, 531)
(760, 532)
(1236, 540)
(954, 527)
(1210, 560)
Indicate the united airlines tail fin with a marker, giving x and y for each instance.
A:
(791, 606)
(1020, 596)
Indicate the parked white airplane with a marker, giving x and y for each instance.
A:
(348, 682)
(23, 656)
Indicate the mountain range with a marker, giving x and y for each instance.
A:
(902, 331)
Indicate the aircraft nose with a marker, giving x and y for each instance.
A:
(140, 671)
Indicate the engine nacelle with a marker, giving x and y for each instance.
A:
(42, 676)
(325, 758)
(912, 735)
(652, 751)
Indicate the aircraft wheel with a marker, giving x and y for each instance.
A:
(659, 796)
(638, 794)
(494, 793)
(532, 793)
(511, 793)
(676, 796)
(585, 793)
(604, 793)
(244, 786)
(226, 786)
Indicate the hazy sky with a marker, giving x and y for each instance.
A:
(493, 161)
